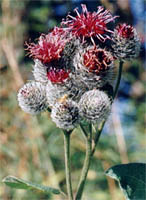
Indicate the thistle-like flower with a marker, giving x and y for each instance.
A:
(90, 25)
(65, 113)
(97, 60)
(126, 43)
(94, 67)
(95, 106)
(57, 75)
(32, 98)
(49, 46)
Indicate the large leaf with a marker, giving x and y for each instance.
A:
(131, 178)
(22, 184)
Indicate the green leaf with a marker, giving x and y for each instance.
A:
(131, 178)
(17, 183)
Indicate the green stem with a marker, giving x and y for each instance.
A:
(85, 167)
(119, 79)
(97, 136)
(83, 130)
(67, 163)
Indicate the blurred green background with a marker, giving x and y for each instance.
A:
(31, 147)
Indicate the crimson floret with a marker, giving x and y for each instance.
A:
(90, 24)
(57, 75)
(97, 60)
(125, 31)
(49, 46)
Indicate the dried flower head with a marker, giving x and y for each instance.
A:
(65, 113)
(94, 67)
(126, 43)
(49, 46)
(32, 98)
(97, 60)
(95, 106)
(90, 24)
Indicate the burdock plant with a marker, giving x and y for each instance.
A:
(76, 80)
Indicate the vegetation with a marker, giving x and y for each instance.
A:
(31, 147)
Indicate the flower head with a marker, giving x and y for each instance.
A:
(90, 24)
(126, 43)
(57, 75)
(32, 98)
(49, 46)
(94, 67)
(95, 106)
(125, 31)
(65, 113)
(97, 60)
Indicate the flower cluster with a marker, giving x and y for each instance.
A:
(74, 68)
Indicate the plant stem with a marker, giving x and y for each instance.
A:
(119, 79)
(83, 130)
(85, 167)
(67, 163)
(97, 136)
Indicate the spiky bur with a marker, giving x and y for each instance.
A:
(97, 60)
(95, 106)
(49, 47)
(90, 24)
(65, 113)
(32, 98)
(94, 67)
(126, 43)
(45, 73)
